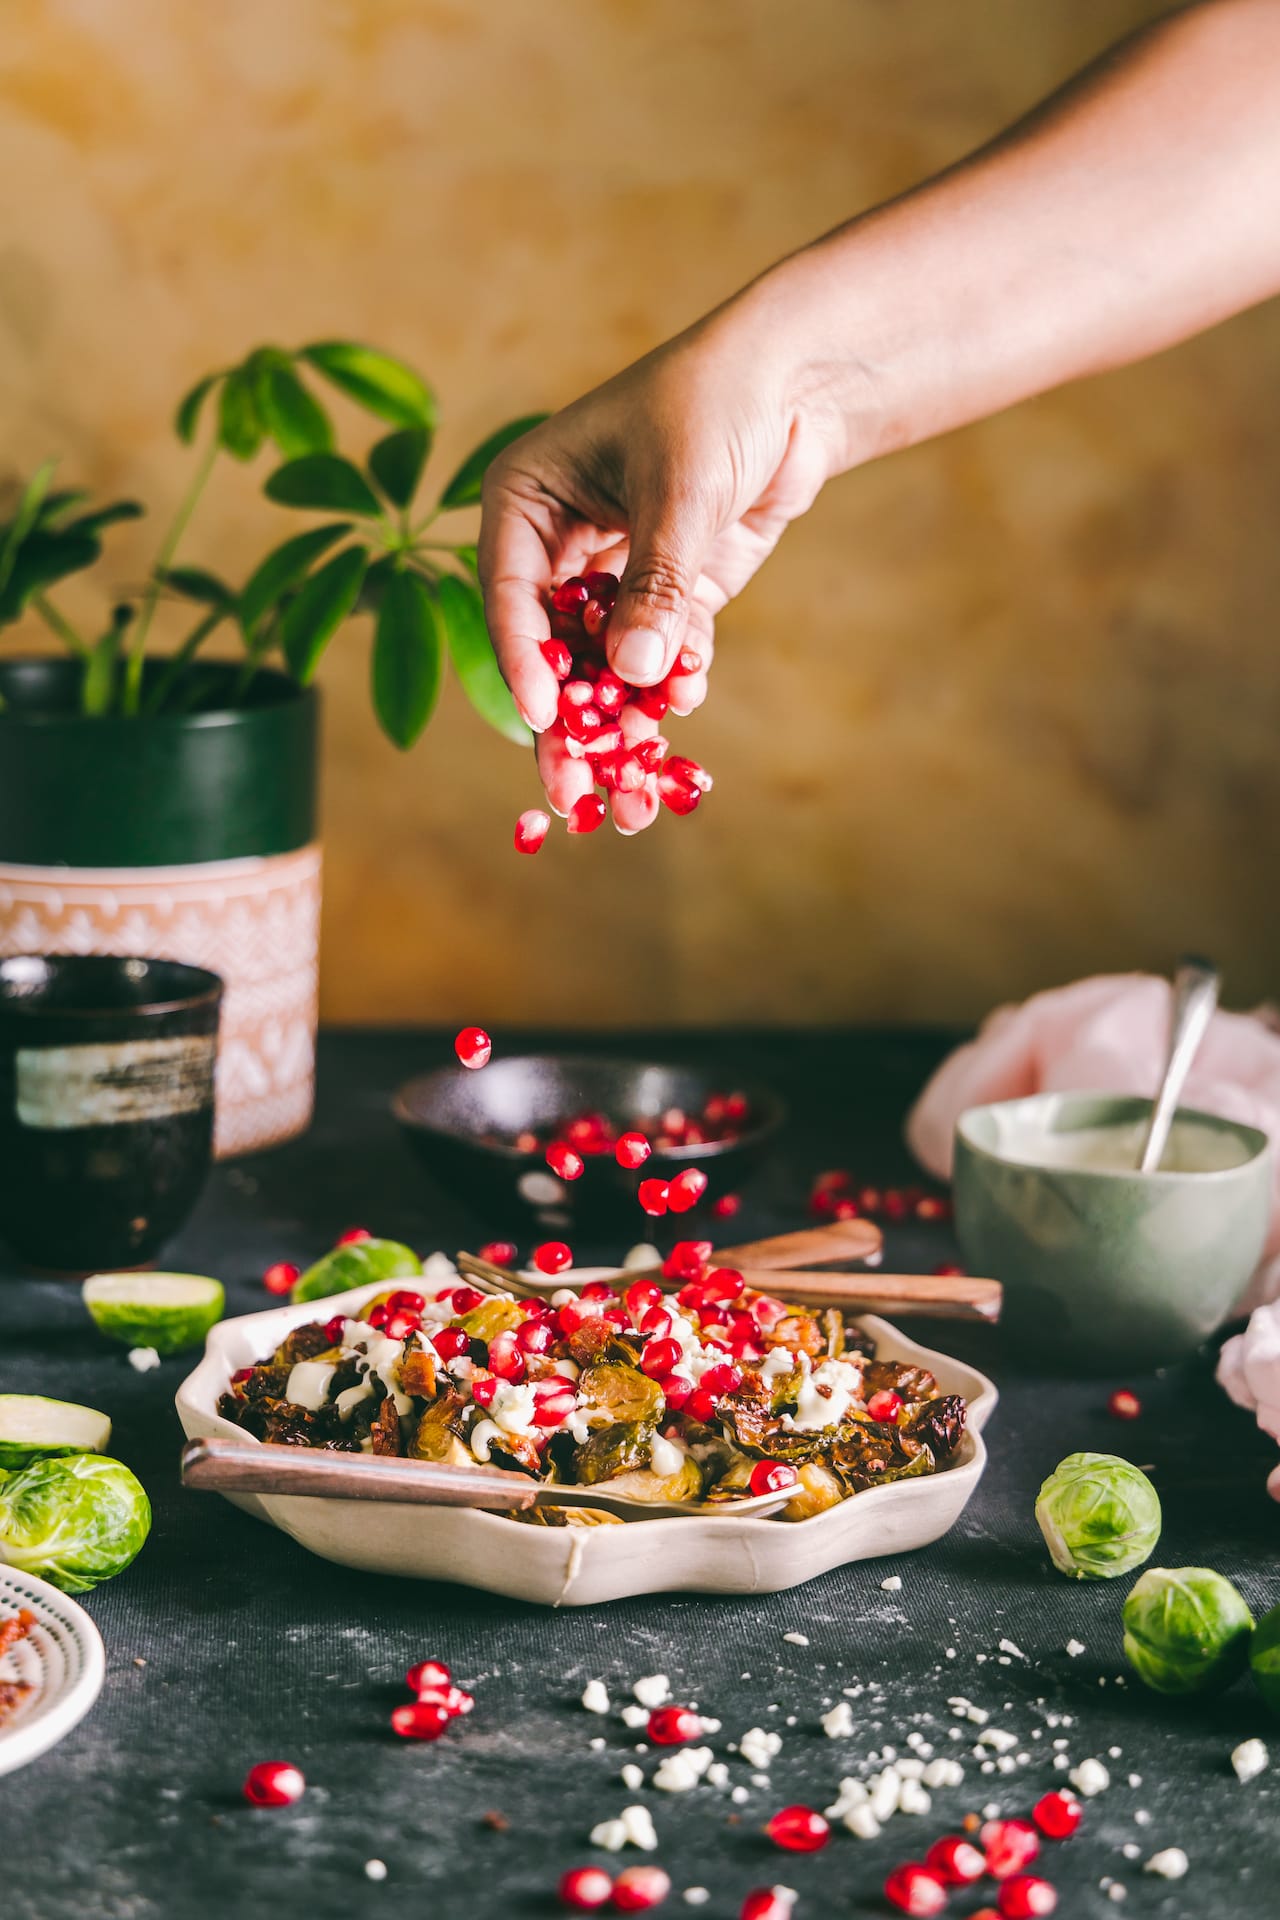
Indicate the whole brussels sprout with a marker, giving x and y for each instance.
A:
(1099, 1516)
(1186, 1630)
(1264, 1658)
(73, 1521)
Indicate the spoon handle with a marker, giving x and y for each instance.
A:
(1195, 996)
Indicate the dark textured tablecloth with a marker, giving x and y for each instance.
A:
(228, 1644)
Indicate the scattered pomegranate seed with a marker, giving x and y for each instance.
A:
(885, 1405)
(1057, 1815)
(956, 1860)
(450, 1699)
(687, 1189)
(563, 1161)
(428, 1673)
(398, 1326)
(484, 1388)
(424, 1720)
(657, 1324)
(558, 658)
(677, 1390)
(654, 1196)
(913, 1888)
(674, 1726)
(242, 1374)
(506, 1358)
(571, 597)
(1010, 1845)
(871, 1200)
(466, 1300)
(722, 1285)
(451, 1343)
(894, 1204)
(636, 1889)
(280, 1277)
(532, 828)
(798, 1829)
(587, 814)
(722, 1379)
(597, 1290)
(931, 1206)
(1124, 1405)
(473, 1047)
(641, 1297)
(845, 1209)
(1024, 1897)
(632, 1150)
(726, 1205)
(770, 1476)
(499, 1253)
(535, 1336)
(768, 1903)
(273, 1783)
(585, 1888)
(553, 1256)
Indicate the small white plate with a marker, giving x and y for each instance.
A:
(580, 1566)
(61, 1659)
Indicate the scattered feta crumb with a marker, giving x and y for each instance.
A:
(1061, 1760)
(1008, 1646)
(1075, 1648)
(1142, 1818)
(892, 1585)
(1170, 1864)
(796, 1639)
(862, 1823)
(718, 1774)
(951, 1653)
(634, 1716)
(595, 1697)
(1116, 1892)
(739, 1796)
(758, 1747)
(997, 1737)
(910, 1769)
(142, 1359)
(1249, 1759)
(852, 1794)
(653, 1690)
(1113, 1753)
(1090, 1777)
(1131, 1850)
(633, 1827)
(598, 1744)
(1135, 1779)
(696, 1896)
(838, 1724)
(943, 1772)
(710, 1726)
(681, 1772)
(632, 1776)
(912, 1798)
(373, 1869)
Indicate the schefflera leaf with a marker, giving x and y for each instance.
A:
(321, 605)
(408, 658)
(379, 382)
(475, 664)
(325, 482)
(464, 488)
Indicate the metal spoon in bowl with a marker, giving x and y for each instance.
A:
(1195, 996)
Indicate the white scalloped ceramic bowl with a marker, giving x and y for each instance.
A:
(60, 1659)
(579, 1566)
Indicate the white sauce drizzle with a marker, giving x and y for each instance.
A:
(309, 1384)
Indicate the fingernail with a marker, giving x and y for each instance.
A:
(640, 656)
(535, 724)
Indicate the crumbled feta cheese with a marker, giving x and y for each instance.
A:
(375, 1869)
(1007, 1646)
(1090, 1777)
(796, 1639)
(892, 1585)
(885, 1787)
(633, 1716)
(710, 1726)
(912, 1798)
(680, 1772)
(838, 1724)
(1249, 1759)
(637, 1824)
(852, 1794)
(1135, 1779)
(1142, 1818)
(609, 1834)
(997, 1737)
(1170, 1864)
(739, 1796)
(1006, 1764)
(595, 1697)
(862, 1823)
(991, 1811)
(1131, 1850)
(943, 1772)
(758, 1747)
(1061, 1760)
(1075, 1648)
(598, 1744)
(142, 1359)
(652, 1690)
(910, 1769)
(696, 1896)
(718, 1774)
(965, 1710)
(632, 1776)
(1116, 1892)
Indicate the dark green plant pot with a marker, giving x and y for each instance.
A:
(183, 837)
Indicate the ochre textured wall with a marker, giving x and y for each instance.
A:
(1002, 710)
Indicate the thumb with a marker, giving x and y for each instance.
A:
(652, 609)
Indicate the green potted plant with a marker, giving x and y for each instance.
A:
(164, 803)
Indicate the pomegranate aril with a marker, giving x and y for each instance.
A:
(690, 772)
(632, 1150)
(610, 692)
(428, 1673)
(654, 1196)
(651, 752)
(677, 1390)
(798, 1829)
(563, 1161)
(499, 1253)
(571, 595)
(585, 1888)
(726, 1206)
(913, 1888)
(558, 658)
(931, 1206)
(532, 828)
(674, 1726)
(400, 1325)
(641, 1297)
(636, 1889)
(587, 814)
(687, 1260)
(956, 1860)
(677, 795)
(688, 660)
(505, 1356)
(466, 1300)
(767, 1903)
(687, 1189)
(484, 1388)
(583, 724)
(1124, 1405)
(421, 1721)
(894, 1204)
(885, 1405)
(702, 1405)
(629, 773)
(1057, 1815)
(652, 701)
(535, 1336)
(603, 585)
(595, 617)
(280, 1277)
(659, 1357)
(657, 1324)
(451, 1343)
(553, 1256)
(845, 1210)
(273, 1783)
(1025, 1897)
(1010, 1845)
(473, 1047)
(722, 1285)
(770, 1476)
(553, 1409)
(722, 1379)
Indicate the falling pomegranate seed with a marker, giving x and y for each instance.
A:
(1057, 1815)
(932, 1206)
(636, 1889)
(632, 1150)
(845, 1209)
(768, 1903)
(726, 1205)
(353, 1236)
(687, 1260)
(1025, 1898)
(1124, 1405)
(421, 1721)
(473, 1047)
(913, 1888)
(674, 1726)
(499, 1253)
(563, 1161)
(798, 1829)
(687, 1189)
(587, 814)
(273, 1783)
(871, 1200)
(654, 1196)
(532, 828)
(571, 597)
(428, 1673)
(885, 1405)
(956, 1860)
(770, 1476)
(1010, 1845)
(553, 1256)
(280, 1277)
(585, 1888)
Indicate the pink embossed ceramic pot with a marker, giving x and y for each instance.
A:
(181, 836)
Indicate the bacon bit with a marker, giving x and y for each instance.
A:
(385, 1431)
(418, 1374)
(496, 1822)
(16, 1628)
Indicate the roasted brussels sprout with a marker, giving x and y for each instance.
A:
(939, 1425)
(439, 1432)
(818, 1489)
(646, 1485)
(1264, 1658)
(624, 1393)
(1186, 1630)
(620, 1448)
(490, 1318)
(1099, 1515)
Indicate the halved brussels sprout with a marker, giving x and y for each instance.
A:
(620, 1448)
(624, 1393)
(1099, 1515)
(818, 1490)
(1186, 1630)
(1264, 1658)
(491, 1318)
(438, 1435)
(568, 1517)
(73, 1521)
(646, 1485)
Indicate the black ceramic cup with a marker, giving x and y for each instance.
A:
(106, 1105)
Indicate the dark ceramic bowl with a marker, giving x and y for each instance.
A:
(461, 1123)
(106, 1104)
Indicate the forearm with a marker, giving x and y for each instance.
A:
(1137, 207)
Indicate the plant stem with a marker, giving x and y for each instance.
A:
(179, 661)
(60, 624)
(164, 559)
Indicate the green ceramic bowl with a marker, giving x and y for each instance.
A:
(1105, 1270)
